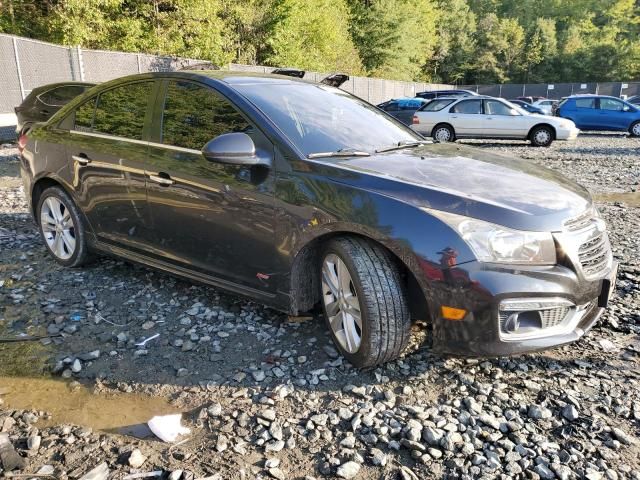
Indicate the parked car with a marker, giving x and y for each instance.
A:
(402, 108)
(545, 105)
(528, 107)
(333, 79)
(445, 93)
(488, 117)
(530, 99)
(295, 196)
(46, 100)
(599, 112)
(635, 100)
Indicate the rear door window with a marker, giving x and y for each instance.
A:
(84, 116)
(121, 111)
(468, 107)
(194, 114)
(585, 103)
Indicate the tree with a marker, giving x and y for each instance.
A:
(312, 36)
(394, 38)
(499, 50)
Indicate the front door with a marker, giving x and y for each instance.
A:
(107, 153)
(500, 120)
(212, 217)
(612, 114)
(466, 118)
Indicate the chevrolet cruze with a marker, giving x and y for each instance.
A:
(299, 194)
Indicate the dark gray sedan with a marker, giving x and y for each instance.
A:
(301, 195)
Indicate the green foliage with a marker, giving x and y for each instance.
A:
(452, 41)
(312, 36)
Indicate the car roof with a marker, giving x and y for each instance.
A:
(51, 86)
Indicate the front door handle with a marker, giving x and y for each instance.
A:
(82, 159)
(162, 178)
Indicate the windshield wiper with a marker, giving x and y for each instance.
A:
(343, 152)
(401, 145)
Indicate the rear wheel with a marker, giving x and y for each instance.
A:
(364, 301)
(61, 228)
(443, 133)
(634, 130)
(541, 136)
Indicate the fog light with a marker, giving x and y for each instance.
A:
(523, 321)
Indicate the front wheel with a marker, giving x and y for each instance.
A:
(364, 301)
(541, 136)
(634, 130)
(61, 228)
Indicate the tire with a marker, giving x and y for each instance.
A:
(634, 129)
(55, 211)
(443, 133)
(375, 282)
(541, 136)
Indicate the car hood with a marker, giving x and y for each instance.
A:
(471, 182)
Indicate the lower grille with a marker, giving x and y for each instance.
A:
(550, 317)
(594, 255)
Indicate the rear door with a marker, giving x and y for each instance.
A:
(466, 118)
(107, 149)
(584, 113)
(207, 216)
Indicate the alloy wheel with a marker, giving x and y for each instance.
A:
(636, 129)
(542, 137)
(442, 135)
(341, 303)
(58, 228)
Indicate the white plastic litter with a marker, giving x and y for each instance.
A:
(167, 427)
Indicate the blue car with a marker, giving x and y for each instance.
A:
(598, 112)
(403, 108)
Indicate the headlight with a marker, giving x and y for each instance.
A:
(495, 243)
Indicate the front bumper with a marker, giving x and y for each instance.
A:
(567, 133)
(486, 287)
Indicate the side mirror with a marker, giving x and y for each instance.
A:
(233, 148)
(626, 108)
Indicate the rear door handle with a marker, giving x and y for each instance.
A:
(454, 116)
(82, 159)
(162, 179)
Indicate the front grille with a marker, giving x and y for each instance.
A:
(594, 255)
(585, 241)
(550, 317)
(581, 221)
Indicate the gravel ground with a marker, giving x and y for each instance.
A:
(267, 396)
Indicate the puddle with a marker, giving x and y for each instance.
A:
(630, 198)
(123, 413)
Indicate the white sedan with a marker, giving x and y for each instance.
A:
(446, 119)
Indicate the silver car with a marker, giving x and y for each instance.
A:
(447, 119)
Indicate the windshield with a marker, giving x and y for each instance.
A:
(436, 105)
(319, 118)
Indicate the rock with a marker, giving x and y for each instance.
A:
(274, 446)
(101, 472)
(33, 442)
(271, 463)
(407, 474)
(537, 412)
(268, 414)
(570, 413)
(9, 458)
(76, 366)
(175, 475)
(276, 473)
(544, 472)
(623, 436)
(258, 375)
(348, 470)
(136, 458)
(378, 457)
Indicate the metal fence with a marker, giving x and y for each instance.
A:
(27, 64)
(557, 90)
